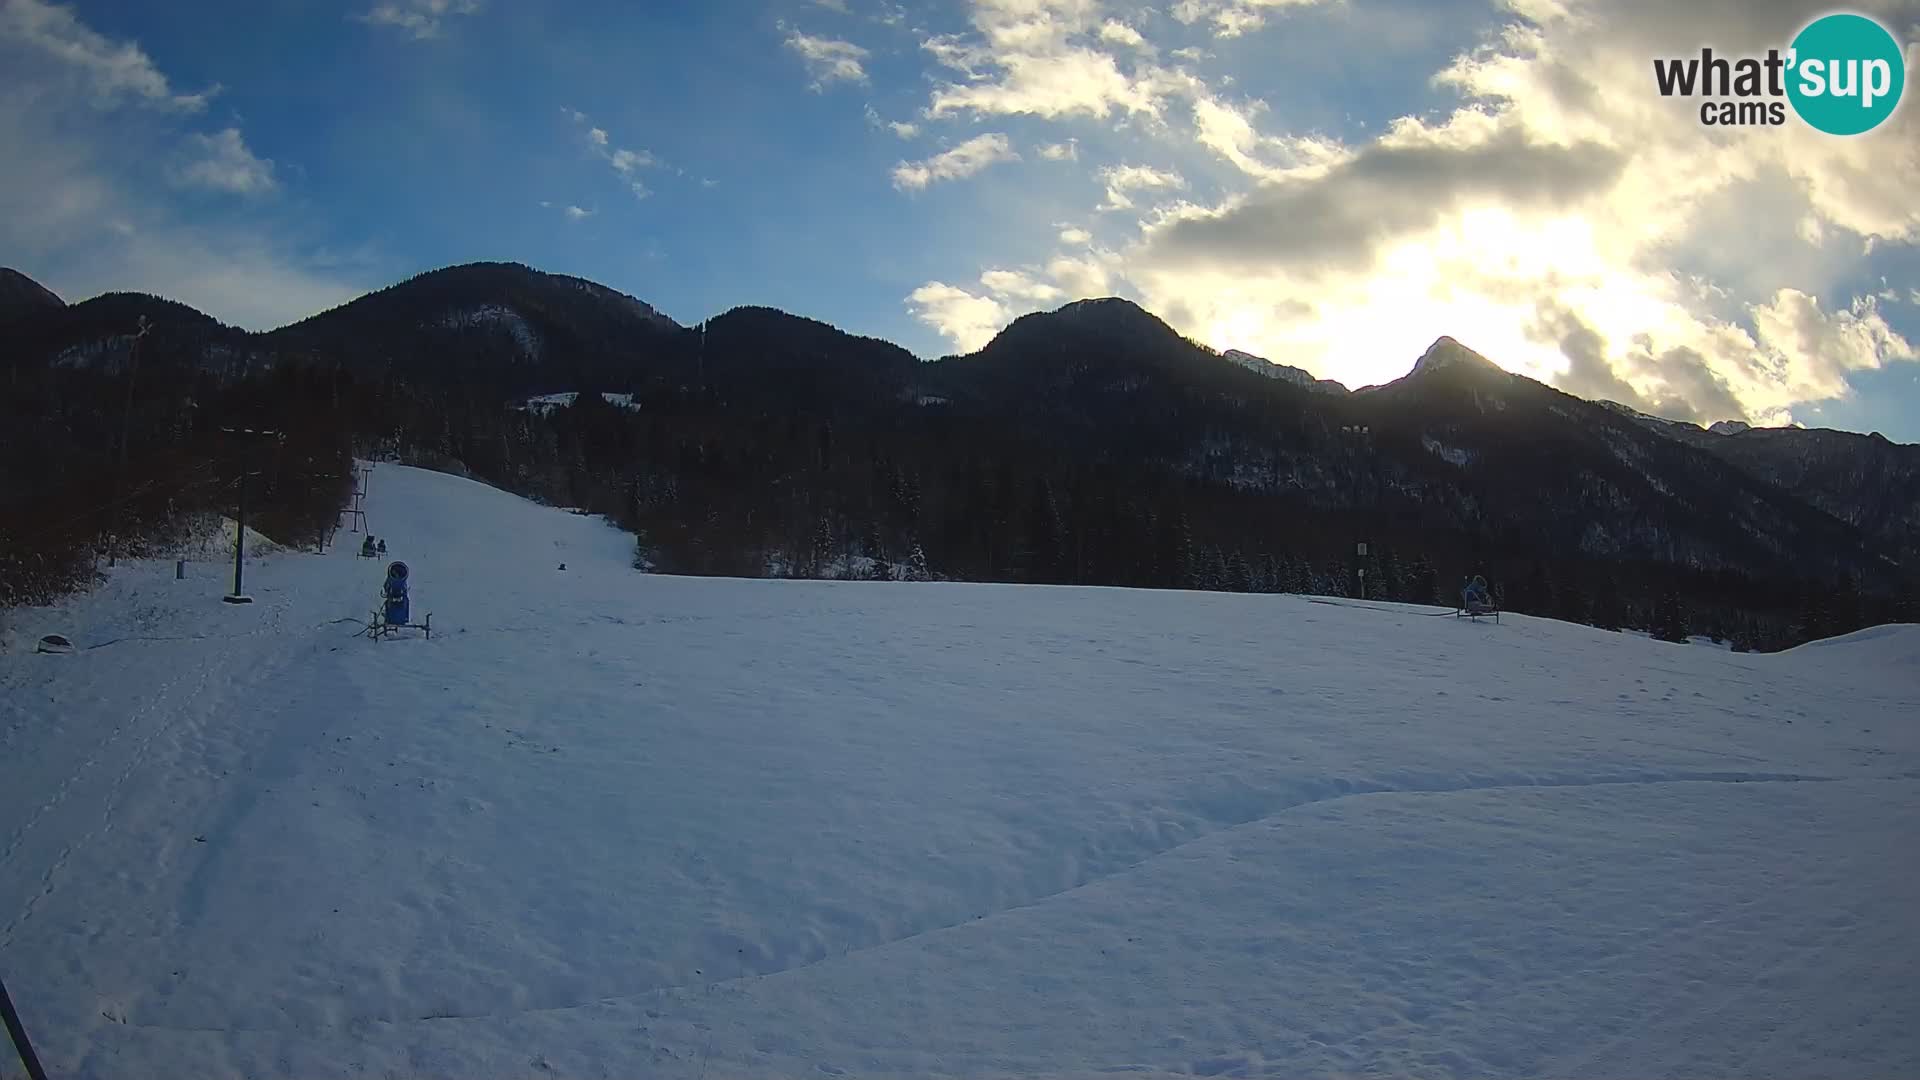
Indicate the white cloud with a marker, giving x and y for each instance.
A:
(90, 159)
(828, 60)
(970, 157)
(1045, 58)
(1229, 132)
(833, 5)
(627, 163)
(1121, 179)
(1231, 18)
(420, 19)
(1019, 285)
(1115, 32)
(970, 319)
(1084, 276)
(222, 162)
(1822, 348)
(900, 128)
(966, 319)
(575, 213)
(1075, 235)
(1061, 151)
(113, 70)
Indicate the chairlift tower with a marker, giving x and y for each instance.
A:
(356, 514)
(238, 596)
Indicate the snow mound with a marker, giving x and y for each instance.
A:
(1892, 647)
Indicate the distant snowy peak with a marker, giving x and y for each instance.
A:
(1667, 426)
(1298, 376)
(1447, 353)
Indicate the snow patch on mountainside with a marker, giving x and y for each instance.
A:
(546, 403)
(497, 317)
(1447, 453)
(1260, 365)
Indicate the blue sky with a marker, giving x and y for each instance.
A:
(1332, 183)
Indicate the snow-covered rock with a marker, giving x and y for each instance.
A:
(1285, 372)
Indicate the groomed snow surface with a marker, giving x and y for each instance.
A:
(607, 824)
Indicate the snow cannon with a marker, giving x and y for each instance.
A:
(395, 594)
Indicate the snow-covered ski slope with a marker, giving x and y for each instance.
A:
(607, 824)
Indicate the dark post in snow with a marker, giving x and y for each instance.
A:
(240, 523)
(239, 546)
(18, 1032)
(1360, 549)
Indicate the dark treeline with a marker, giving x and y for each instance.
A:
(1090, 446)
(122, 455)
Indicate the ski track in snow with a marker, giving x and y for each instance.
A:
(612, 824)
(1491, 786)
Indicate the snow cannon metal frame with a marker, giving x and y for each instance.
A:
(1477, 609)
(393, 612)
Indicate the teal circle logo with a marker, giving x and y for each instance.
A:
(1845, 74)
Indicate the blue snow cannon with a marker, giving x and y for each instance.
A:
(395, 593)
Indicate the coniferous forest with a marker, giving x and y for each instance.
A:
(1088, 446)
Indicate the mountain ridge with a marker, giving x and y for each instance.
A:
(20, 294)
(1117, 313)
(1090, 444)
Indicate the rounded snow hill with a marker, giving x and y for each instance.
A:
(1895, 645)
